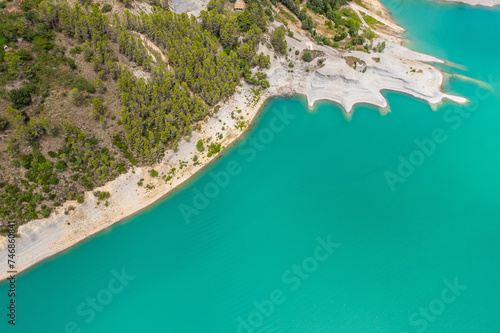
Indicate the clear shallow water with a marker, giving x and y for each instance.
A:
(396, 250)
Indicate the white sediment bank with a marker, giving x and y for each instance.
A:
(485, 3)
(397, 68)
(189, 6)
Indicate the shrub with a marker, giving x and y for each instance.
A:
(76, 97)
(340, 36)
(76, 50)
(106, 8)
(25, 161)
(24, 55)
(213, 148)
(3, 5)
(81, 84)
(45, 212)
(61, 166)
(154, 173)
(99, 85)
(358, 40)
(42, 43)
(102, 195)
(90, 88)
(98, 109)
(380, 47)
(307, 56)
(3, 123)
(369, 34)
(71, 63)
(21, 97)
(200, 146)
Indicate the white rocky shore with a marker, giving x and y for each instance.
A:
(485, 3)
(397, 68)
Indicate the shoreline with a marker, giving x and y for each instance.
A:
(483, 3)
(172, 191)
(397, 69)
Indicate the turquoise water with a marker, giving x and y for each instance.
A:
(419, 253)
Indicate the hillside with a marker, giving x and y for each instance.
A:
(88, 90)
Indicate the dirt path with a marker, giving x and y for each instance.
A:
(357, 8)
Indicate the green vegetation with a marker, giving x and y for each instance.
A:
(21, 97)
(106, 8)
(307, 56)
(371, 21)
(278, 40)
(380, 47)
(3, 123)
(200, 146)
(323, 6)
(213, 148)
(102, 195)
(347, 22)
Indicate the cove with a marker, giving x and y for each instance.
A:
(307, 234)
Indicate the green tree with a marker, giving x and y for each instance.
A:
(228, 33)
(76, 97)
(61, 166)
(98, 108)
(278, 40)
(21, 97)
(3, 123)
(99, 86)
(308, 23)
(199, 146)
(106, 8)
(48, 12)
(307, 56)
(14, 64)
